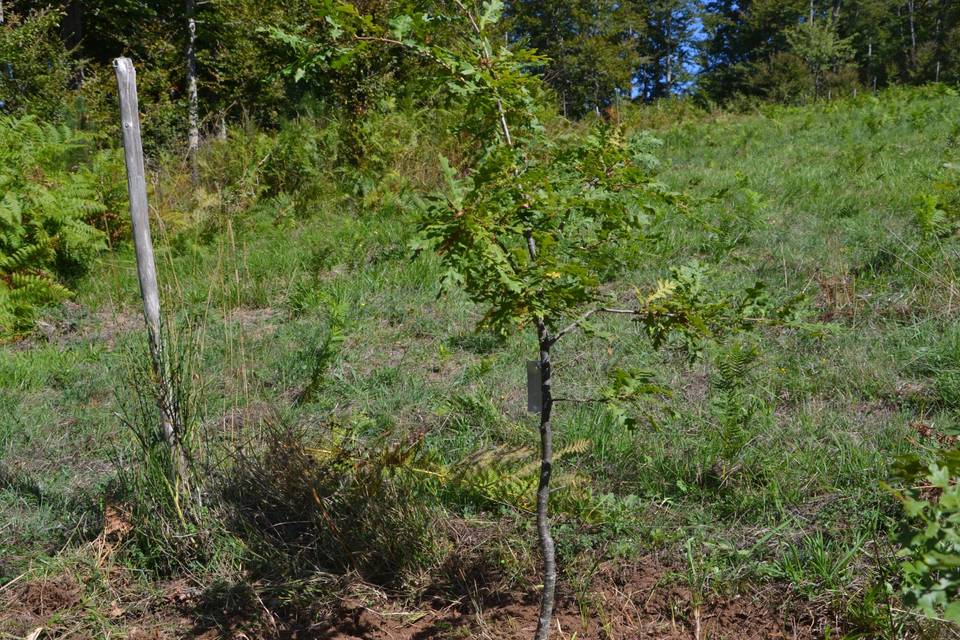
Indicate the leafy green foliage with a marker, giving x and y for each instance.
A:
(35, 65)
(685, 309)
(46, 235)
(325, 353)
(938, 214)
(490, 478)
(351, 59)
(590, 48)
(820, 47)
(579, 199)
(507, 476)
(790, 49)
(933, 219)
(734, 404)
(930, 495)
(583, 203)
(627, 393)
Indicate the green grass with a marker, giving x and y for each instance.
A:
(819, 201)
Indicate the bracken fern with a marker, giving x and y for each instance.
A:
(45, 232)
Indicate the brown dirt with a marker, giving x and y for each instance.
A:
(31, 604)
(45, 597)
(928, 432)
(838, 299)
(642, 603)
(639, 609)
(637, 613)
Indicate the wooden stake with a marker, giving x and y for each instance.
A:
(146, 267)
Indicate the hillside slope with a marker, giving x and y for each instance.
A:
(750, 492)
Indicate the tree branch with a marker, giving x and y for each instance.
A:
(381, 39)
(573, 326)
(580, 400)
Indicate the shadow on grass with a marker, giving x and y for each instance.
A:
(329, 528)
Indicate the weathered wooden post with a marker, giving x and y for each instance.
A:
(146, 266)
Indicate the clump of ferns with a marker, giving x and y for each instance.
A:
(937, 214)
(733, 406)
(47, 209)
(491, 478)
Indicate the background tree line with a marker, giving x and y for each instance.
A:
(600, 52)
(725, 50)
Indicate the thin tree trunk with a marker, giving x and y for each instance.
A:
(939, 38)
(669, 43)
(71, 27)
(906, 54)
(193, 118)
(669, 72)
(547, 548)
(913, 37)
(543, 488)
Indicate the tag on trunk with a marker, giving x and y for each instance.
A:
(534, 387)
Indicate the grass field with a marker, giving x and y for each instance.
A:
(755, 483)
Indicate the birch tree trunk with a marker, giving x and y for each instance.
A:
(913, 36)
(71, 25)
(193, 118)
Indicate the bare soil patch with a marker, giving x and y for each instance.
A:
(638, 603)
(641, 602)
(34, 603)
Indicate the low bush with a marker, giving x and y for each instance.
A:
(35, 66)
(930, 533)
(304, 508)
(49, 210)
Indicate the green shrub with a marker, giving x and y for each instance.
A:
(304, 507)
(35, 67)
(938, 214)
(931, 535)
(46, 234)
(255, 171)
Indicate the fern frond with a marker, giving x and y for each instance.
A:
(574, 448)
(45, 210)
(24, 257)
(37, 289)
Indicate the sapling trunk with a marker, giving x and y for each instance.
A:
(543, 487)
(545, 341)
